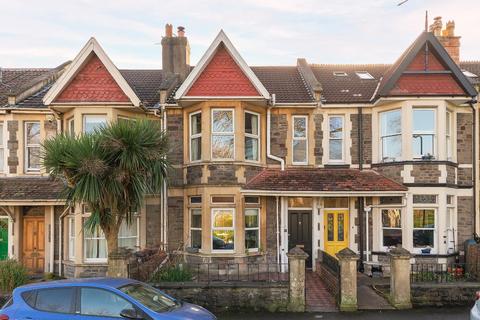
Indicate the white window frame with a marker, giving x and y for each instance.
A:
(342, 139)
(448, 135)
(213, 133)
(85, 116)
(194, 136)
(28, 146)
(71, 237)
(300, 139)
(253, 136)
(2, 147)
(196, 228)
(71, 126)
(135, 216)
(93, 238)
(257, 228)
(434, 132)
(435, 214)
(385, 248)
(400, 134)
(213, 210)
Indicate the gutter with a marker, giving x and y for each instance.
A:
(269, 154)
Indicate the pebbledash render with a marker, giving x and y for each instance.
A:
(264, 158)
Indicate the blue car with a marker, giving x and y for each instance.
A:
(97, 298)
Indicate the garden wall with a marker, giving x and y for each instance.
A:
(231, 296)
(445, 294)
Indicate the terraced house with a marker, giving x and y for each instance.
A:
(264, 158)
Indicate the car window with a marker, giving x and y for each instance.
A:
(57, 300)
(29, 297)
(99, 302)
(149, 297)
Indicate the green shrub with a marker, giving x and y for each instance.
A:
(172, 273)
(12, 275)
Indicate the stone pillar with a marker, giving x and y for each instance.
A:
(296, 268)
(118, 263)
(400, 278)
(347, 260)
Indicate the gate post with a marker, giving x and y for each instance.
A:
(118, 263)
(347, 260)
(296, 269)
(400, 278)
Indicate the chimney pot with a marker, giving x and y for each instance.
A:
(181, 31)
(168, 30)
(447, 37)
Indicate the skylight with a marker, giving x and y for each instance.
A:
(469, 74)
(364, 75)
(340, 74)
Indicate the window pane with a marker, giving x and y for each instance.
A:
(251, 199)
(223, 219)
(195, 199)
(392, 147)
(299, 151)
(196, 149)
(330, 227)
(223, 239)
(92, 122)
(392, 237)
(149, 297)
(196, 123)
(197, 239)
(95, 244)
(422, 238)
(335, 149)
(55, 300)
(424, 198)
(391, 122)
(222, 147)
(2, 160)
(33, 133)
(251, 218)
(251, 123)
(196, 218)
(424, 218)
(299, 126)
(422, 144)
(391, 218)
(448, 123)
(251, 149)
(251, 239)
(341, 227)
(98, 302)
(423, 120)
(33, 161)
(1, 134)
(127, 236)
(223, 199)
(336, 127)
(222, 121)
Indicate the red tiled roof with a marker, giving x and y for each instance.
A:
(316, 179)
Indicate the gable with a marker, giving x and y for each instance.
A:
(93, 83)
(222, 77)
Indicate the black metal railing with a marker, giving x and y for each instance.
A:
(442, 273)
(234, 272)
(330, 262)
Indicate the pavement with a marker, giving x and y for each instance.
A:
(413, 314)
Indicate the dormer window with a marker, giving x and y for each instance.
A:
(364, 75)
(340, 74)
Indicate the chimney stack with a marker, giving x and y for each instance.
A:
(447, 37)
(175, 52)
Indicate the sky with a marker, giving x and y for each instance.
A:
(46, 33)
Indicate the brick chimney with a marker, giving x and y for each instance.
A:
(447, 37)
(175, 52)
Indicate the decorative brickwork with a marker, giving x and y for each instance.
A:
(93, 83)
(423, 84)
(465, 219)
(222, 174)
(222, 77)
(425, 173)
(318, 150)
(367, 138)
(175, 223)
(464, 138)
(278, 137)
(12, 144)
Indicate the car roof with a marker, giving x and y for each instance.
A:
(94, 282)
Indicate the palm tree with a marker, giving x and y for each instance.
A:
(110, 170)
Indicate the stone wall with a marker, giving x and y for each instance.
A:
(392, 171)
(175, 154)
(71, 270)
(251, 171)
(464, 219)
(175, 223)
(464, 177)
(450, 174)
(194, 174)
(318, 150)
(448, 294)
(464, 138)
(271, 229)
(222, 174)
(367, 138)
(12, 145)
(425, 173)
(278, 137)
(231, 296)
(154, 228)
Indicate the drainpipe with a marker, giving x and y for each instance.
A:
(60, 240)
(278, 232)
(164, 190)
(361, 199)
(474, 164)
(269, 155)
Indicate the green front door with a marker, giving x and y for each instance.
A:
(3, 239)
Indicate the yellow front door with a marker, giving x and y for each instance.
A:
(335, 230)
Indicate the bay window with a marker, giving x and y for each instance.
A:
(448, 134)
(95, 245)
(196, 228)
(2, 149)
(335, 138)
(423, 135)
(391, 135)
(71, 126)
(252, 136)
(128, 234)
(196, 136)
(252, 239)
(71, 237)
(223, 138)
(423, 228)
(93, 121)
(391, 227)
(299, 140)
(32, 146)
(223, 230)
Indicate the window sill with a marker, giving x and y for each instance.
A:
(419, 161)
